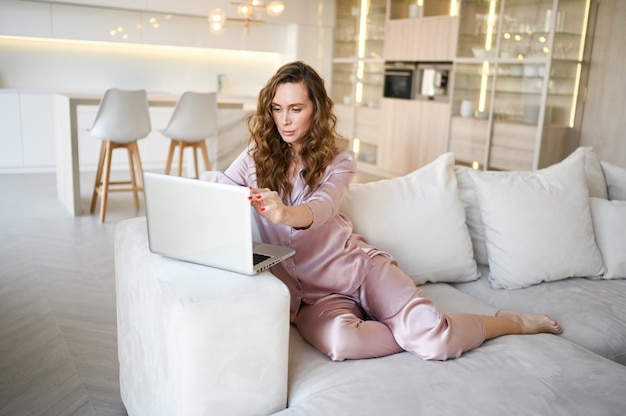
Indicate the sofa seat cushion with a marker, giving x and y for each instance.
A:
(609, 223)
(592, 313)
(523, 375)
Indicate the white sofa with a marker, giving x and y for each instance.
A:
(199, 341)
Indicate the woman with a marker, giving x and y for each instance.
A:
(349, 299)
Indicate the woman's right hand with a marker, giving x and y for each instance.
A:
(270, 206)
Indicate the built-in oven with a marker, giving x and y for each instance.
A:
(399, 80)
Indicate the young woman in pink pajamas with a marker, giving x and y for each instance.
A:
(348, 299)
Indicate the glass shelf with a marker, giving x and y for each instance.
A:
(518, 69)
(473, 84)
(357, 75)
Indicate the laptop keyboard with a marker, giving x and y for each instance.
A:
(258, 258)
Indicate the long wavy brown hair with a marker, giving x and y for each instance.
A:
(271, 155)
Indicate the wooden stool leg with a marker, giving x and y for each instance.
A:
(195, 159)
(98, 181)
(105, 184)
(139, 167)
(181, 148)
(205, 155)
(170, 156)
(133, 179)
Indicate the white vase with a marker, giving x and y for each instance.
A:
(467, 108)
(531, 114)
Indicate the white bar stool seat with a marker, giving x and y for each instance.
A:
(194, 120)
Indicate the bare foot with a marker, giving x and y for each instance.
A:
(531, 323)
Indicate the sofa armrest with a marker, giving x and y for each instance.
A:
(194, 340)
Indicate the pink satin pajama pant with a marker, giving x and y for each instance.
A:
(386, 315)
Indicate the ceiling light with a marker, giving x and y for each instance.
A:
(247, 10)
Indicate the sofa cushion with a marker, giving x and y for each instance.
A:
(419, 220)
(195, 340)
(592, 313)
(609, 223)
(520, 375)
(473, 217)
(467, 192)
(538, 224)
(596, 184)
(615, 177)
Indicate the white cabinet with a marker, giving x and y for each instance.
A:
(37, 121)
(25, 18)
(422, 39)
(415, 134)
(424, 30)
(106, 25)
(124, 25)
(26, 142)
(11, 134)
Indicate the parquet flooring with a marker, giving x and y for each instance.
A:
(58, 341)
(58, 344)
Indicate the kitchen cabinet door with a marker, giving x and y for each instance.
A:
(415, 134)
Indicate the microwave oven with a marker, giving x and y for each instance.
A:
(433, 80)
(413, 80)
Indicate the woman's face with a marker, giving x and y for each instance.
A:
(292, 111)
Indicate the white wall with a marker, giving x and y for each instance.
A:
(66, 47)
(92, 67)
(38, 48)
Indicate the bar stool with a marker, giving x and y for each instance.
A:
(194, 120)
(122, 119)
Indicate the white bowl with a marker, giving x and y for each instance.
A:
(481, 53)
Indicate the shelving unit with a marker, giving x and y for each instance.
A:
(415, 131)
(357, 77)
(519, 70)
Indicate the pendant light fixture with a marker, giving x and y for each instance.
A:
(248, 11)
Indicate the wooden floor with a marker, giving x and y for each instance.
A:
(58, 343)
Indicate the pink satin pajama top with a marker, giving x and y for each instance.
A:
(329, 257)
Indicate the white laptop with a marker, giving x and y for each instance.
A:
(206, 223)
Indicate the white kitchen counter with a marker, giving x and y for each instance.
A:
(66, 138)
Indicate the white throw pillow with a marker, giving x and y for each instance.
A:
(473, 217)
(615, 181)
(609, 222)
(593, 172)
(538, 224)
(467, 193)
(419, 220)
